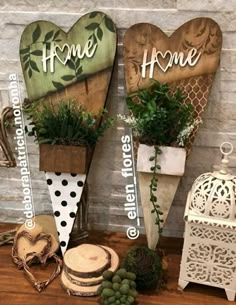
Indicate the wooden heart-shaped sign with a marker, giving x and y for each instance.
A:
(76, 64)
(58, 66)
(188, 59)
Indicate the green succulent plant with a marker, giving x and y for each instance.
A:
(118, 288)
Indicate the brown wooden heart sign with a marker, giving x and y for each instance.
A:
(188, 59)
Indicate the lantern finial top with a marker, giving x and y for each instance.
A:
(226, 149)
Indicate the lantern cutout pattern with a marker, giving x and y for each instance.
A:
(209, 251)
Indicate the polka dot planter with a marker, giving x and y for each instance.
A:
(65, 190)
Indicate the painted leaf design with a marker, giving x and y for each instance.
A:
(99, 33)
(80, 70)
(109, 24)
(37, 53)
(92, 26)
(30, 73)
(36, 34)
(26, 57)
(56, 34)
(71, 64)
(58, 85)
(77, 63)
(94, 39)
(34, 66)
(93, 14)
(26, 66)
(48, 35)
(68, 77)
(24, 51)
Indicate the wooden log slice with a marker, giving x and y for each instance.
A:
(77, 290)
(87, 261)
(95, 280)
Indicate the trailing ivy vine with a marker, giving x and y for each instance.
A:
(153, 188)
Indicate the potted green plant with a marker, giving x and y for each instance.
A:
(162, 124)
(66, 133)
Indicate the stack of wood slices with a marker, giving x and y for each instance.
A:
(83, 268)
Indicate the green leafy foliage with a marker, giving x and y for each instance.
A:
(109, 24)
(95, 27)
(146, 264)
(92, 26)
(118, 288)
(65, 124)
(75, 65)
(159, 117)
(93, 14)
(36, 33)
(29, 64)
(57, 85)
(153, 189)
(160, 114)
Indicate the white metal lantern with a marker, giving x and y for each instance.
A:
(209, 252)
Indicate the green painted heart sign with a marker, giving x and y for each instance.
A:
(52, 59)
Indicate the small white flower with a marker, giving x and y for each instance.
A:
(186, 132)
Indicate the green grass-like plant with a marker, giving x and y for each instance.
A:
(65, 124)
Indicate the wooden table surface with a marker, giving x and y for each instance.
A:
(16, 290)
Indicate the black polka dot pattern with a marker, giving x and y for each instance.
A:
(64, 182)
(65, 190)
(49, 181)
(63, 223)
(64, 203)
(58, 233)
(80, 183)
(73, 194)
(58, 193)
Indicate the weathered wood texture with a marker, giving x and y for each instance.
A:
(64, 159)
(107, 186)
(22, 293)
